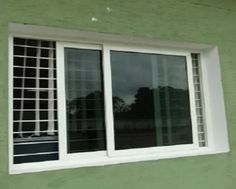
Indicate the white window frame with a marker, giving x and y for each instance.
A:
(111, 152)
(62, 123)
(104, 42)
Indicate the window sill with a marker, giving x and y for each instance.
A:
(105, 160)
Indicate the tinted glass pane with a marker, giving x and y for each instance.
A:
(150, 100)
(84, 98)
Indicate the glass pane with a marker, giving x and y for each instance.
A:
(84, 99)
(150, 100)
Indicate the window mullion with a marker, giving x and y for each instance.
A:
(61, 94)
(192, 101)
(109, 122)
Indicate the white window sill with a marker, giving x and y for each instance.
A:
(105, 160)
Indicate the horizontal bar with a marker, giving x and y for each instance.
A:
(35, 99)
(22, 56)
(25, 132)
(38, 78)
(201, 132)
(34, 154)
(34, 88)
(29, 143)
(37, 138)
(31, 67)
(17, 121)
(34, 109)
(35, 47)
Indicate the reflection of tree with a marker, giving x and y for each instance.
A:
(119, 105)
(86, 106)
(156, 116)
(86, 122)
(143, 105)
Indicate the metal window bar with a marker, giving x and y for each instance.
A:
(196, 67)
(37, 102)
(41, 119)
(22, 95)
(51, 94)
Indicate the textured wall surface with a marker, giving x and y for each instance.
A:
(200, 21)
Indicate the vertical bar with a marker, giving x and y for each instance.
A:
(37, 91)
(22, 92)
(51, 116)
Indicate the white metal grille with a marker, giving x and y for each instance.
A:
(35, 129)
(199, 99)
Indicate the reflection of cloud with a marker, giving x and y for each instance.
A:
(131, 71)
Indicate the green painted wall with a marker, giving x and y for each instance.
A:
(201, 21)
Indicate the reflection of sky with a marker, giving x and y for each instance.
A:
(83, 72)
(131, 71)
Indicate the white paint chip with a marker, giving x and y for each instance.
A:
(94, 19)
(109, 9)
